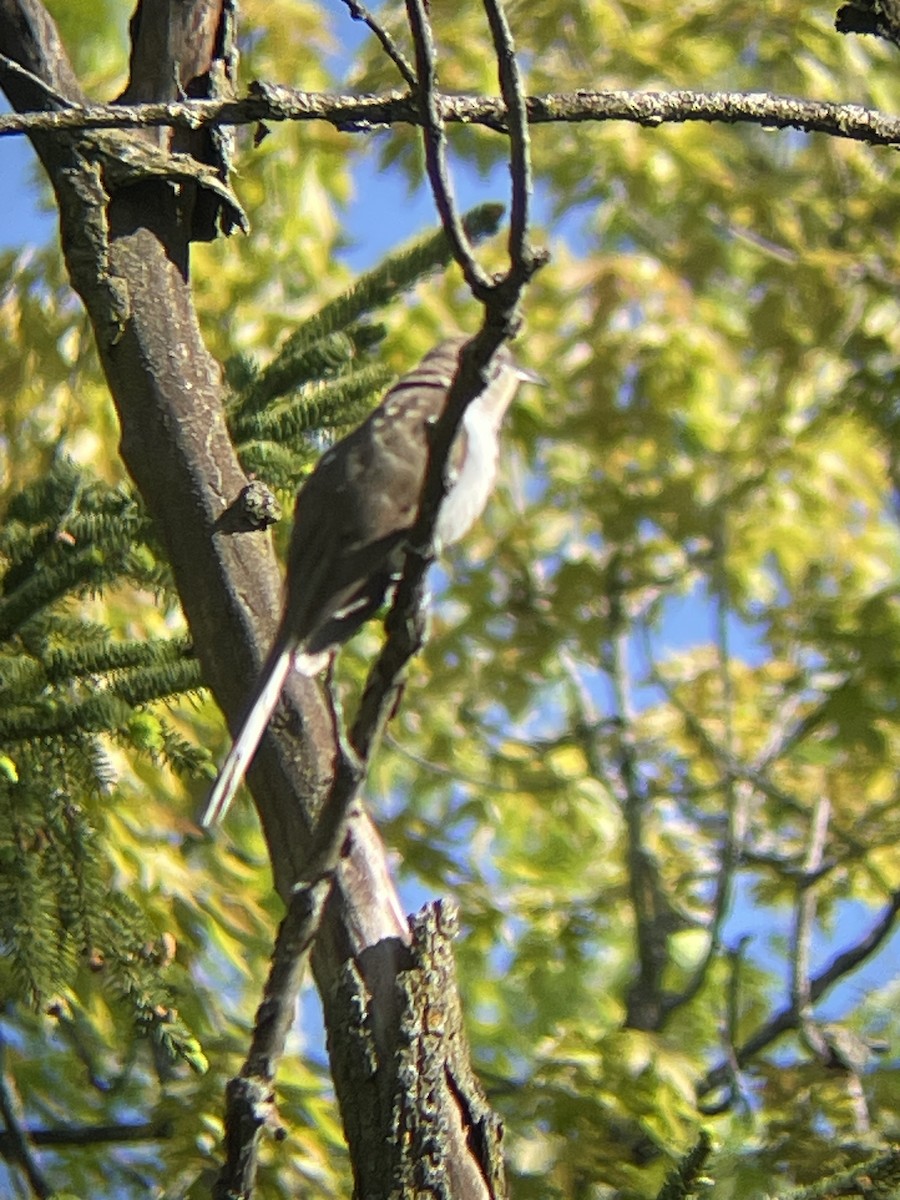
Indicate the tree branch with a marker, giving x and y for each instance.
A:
(786, 1018)
(19, 1149)
(360, 13)
(881, 18)
(434, 139)
(500, 298)
(249, 1098)
(756, 774)
(737, 792)
(34, 66)
(91, 1135)
(804, 920)
(649, 907)
(362, 114)
(512, 91)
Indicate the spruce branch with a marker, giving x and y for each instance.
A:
(297, 365)
(877, 1178)
(135, 974)
(281, 466)
(333, 404)
(331, 339)
(91, 1135)
(180, 755)
(161, 681)
(108, 708)
(79, 573)
(686, 1180)
(103, 656)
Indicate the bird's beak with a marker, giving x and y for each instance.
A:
(527, 376)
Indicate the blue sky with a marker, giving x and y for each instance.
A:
(22, 222)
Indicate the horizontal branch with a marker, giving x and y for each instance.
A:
(359, 114)
(93, 1135)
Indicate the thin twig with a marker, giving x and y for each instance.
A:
(11, 67)
(405, 625)
(754, 773)
(250, 1101)
(478, 783)
(804, 920)
(249, 1097)
(513, 92)
(733, 1021)
(91, 1135)
(785, 1020)
(435, 142)
(360, 13)
(649, 906)
(738, 793)
(589, 726)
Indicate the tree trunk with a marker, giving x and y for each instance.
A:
(126, 231)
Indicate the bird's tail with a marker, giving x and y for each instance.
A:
(265, 697)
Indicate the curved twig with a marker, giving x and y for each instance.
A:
(360, 13)
(512, 90)
(434, 138)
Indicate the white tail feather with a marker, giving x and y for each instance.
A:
(265, 697)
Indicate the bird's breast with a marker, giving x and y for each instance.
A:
(469, 491)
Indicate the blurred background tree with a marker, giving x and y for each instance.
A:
(651, 747)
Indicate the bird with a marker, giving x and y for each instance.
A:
(352, 521)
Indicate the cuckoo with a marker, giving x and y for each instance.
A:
(352, 521)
